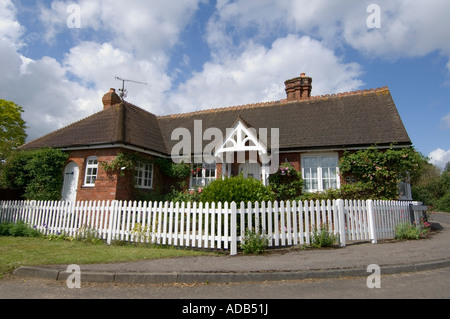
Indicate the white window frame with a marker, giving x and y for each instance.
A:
(320, 171)
(89, 175)
(203, 180)
(143, 177)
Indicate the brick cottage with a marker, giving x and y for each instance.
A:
(313, 133)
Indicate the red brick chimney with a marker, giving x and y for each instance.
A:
(111, 98)
(299, 89)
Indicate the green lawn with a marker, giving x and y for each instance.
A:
(17, 252)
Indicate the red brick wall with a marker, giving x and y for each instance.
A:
(105, 186)
(112, 187)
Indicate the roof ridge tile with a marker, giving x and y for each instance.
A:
(271, 103)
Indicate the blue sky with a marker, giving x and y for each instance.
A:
(197, 54)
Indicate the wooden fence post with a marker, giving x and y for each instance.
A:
(371, 221)
(111, 209)
(233, 251)
(341, 216)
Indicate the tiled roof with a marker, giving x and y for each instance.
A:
(123, 123)
(361, 118)
(352, 119)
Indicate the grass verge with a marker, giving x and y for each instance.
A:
(17, 251)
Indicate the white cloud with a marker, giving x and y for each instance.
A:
(258, 75)
(100, 63)
(147, 29)
(10, 29)
(408, 28)
(439, 157)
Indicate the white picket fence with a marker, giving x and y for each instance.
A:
(212, 226)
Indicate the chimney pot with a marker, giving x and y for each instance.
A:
(111, 98)
(299, 89)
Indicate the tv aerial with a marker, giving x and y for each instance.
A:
(123, 92)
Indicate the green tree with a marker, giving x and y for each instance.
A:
(38, 172)
(12, 128)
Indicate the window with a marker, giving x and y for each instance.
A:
(91, 171)
(144, 175)
(203, 175)
(320, 172)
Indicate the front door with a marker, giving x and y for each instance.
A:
(251, 170)
(70, 187)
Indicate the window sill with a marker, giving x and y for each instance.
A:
(88, 186)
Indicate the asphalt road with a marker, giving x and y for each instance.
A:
(420, 285)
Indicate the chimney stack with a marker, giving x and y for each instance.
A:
(299, 89)
(111, 98)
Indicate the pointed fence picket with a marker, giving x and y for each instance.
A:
(212, 226)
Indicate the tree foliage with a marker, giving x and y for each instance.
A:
(38, 172)
(433, 187)
(12, 128)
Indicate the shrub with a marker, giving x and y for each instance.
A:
(358, 191)
(286, 183)
(410, 231)
(184, 196)
(443, 203)
(254, 243)
(5, 229)
(38, 172)
(323, 238)
(382, 171)
(236, 189)
(19, 229)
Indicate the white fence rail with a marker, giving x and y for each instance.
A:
(213, 226)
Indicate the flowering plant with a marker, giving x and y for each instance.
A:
(196, 170)
(287, 169)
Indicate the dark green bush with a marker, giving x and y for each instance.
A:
(236, 189)
(286, 183)
(38, 172)
(443, 204)
(358, 191)
(19, 229)
(5, 229)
